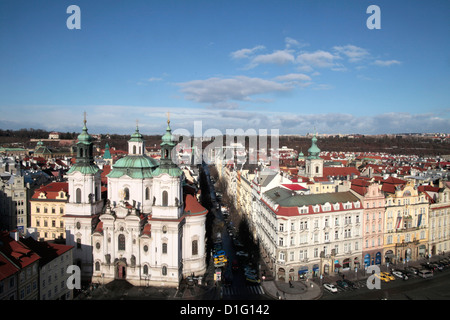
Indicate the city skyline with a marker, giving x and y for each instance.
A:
(297, 66)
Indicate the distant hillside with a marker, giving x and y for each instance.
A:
(389, 144)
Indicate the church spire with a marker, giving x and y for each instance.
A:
(167, 146)
(85, 152)
(136, 143)
(314, 150)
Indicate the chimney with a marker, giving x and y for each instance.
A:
(14, 235)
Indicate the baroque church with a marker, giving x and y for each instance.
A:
(150, 231)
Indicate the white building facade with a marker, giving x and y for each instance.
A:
(152, 231)
(309, 235)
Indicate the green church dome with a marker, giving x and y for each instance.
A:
(134, 166)
(314, 150)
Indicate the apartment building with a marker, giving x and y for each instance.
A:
(309, 235)
(14, 207)
(439, 218)
(406, 221)
(373, 200)
(48, 205)
(53, 265)
(27, 263)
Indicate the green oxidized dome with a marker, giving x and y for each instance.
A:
(314, 150)
(134, 166)
(84, 136)
(137, 136)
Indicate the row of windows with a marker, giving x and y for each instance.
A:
(53, 210)
(165, 196)
(304, 224)
(408, 237)
(38, 223)
(78, 195)
(304, 239)
(144, 269)
(122, 246)
(303, 254)
(29, 288)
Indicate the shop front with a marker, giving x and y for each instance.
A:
(302, 272)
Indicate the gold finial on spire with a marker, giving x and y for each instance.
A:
(168, 117)
(84, 118)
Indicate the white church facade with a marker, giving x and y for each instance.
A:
(151, 231)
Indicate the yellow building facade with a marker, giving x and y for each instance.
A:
(406, 224)
(47, 208)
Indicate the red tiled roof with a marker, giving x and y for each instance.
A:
(428, 188)
(7, 268)
(287, 211)
(147, 229)
(17, 252)
(192, 206)
(340, 171)
(99, 227)
(294, 187)
(105, 171)
(47, 250)
(51, 190)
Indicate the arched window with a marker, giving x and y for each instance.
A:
(164, 248)
(97, 266)
(194, 247)
(134, 149)
(317, 169)
(165, 198)
(147, 193)
(164, 271)
(78, 196)
(126, 195)
(145, 269)
(121, 242)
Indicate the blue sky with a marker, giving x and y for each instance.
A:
(295, 66)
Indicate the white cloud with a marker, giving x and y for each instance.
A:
(121, 119)
(352, 52)
(385, 63)
(319, 58)
(153, 79)
(245, 53)
(219, 91)
(296, 79)
(277, 57)
(293, 77)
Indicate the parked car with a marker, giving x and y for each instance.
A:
(235, 265)
(219, 264)
(445, 262)
(413, 270)
(342, 284)
(351, 284)
(400, 274)
(388, 275)
(425, 273)
(330, 287)
(219, 253)
(237, 243)
(221, 259)
(439, 266)
(242, 254)
(428, 266)
(382, 277)
(252, 279)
